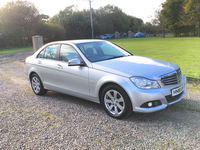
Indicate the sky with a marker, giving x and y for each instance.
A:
(143, 9)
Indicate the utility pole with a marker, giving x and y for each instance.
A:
(198, 16)
(91, 20)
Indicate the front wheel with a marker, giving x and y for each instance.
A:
(37, 85)
(116, 102)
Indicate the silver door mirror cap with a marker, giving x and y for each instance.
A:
(75, 62)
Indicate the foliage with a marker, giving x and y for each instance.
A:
(51, 32)
(108, 19)
(181, 17)
(192, 7)
(111, 19)
(19, 21)
(136, 24)
(171, 13)
(150, 28)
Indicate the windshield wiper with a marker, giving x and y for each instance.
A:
(115, 57)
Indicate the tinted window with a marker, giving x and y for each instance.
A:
(67, 53)
(50, 52)
(41, 55)
(99, 51)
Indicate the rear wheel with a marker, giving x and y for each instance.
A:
(37, 85)
(116, 102)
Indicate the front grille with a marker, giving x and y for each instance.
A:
(172, 78)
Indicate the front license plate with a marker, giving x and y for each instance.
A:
(178, 90)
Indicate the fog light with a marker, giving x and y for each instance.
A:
(150, 104)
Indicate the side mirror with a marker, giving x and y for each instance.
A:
(75, 62)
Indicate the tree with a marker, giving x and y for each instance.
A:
(105, 19)
(171, 13)
(135, 24)
(111, 18)
(18, 21)
(192, 7)
(159, 21)
(79, 25)
(63, 18)
(150, 28)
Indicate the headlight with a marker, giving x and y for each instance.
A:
(144, 83)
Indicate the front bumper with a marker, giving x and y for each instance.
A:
(163, 95)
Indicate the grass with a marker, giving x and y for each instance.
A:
(12, 50)
(184, 52)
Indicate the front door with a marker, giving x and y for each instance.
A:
(71, 80)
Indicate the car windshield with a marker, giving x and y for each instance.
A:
(100, 51)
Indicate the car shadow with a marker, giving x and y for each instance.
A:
(181, 113)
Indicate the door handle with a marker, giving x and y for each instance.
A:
(39, 62)
(59, 66)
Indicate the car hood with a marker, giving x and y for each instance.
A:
(136, 66)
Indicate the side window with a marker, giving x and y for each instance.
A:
(67, 53)
(41, 54)
(50, 52)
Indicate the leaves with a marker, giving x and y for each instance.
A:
(181, 16)
(20, 20)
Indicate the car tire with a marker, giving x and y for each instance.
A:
(116, 102)
(37, 85)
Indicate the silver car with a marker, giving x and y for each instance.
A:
(105, 73)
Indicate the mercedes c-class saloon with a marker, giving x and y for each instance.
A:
(105, 73)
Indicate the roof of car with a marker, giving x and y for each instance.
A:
(76, 41)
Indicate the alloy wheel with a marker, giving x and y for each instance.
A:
(114, 102)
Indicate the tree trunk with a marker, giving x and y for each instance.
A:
(163, 33)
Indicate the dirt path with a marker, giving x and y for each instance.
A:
(18, 56)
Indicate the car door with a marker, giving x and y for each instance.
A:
(45, 63)
(71, 80)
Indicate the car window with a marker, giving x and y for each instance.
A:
(99, 51)
(110, 50)
(50, 52)
(41, 54)
(67, 53)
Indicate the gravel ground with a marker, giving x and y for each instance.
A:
(58, 121)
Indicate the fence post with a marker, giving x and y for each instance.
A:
(129, 34)
(117, 35)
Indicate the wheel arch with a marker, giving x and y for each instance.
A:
(31, 73)
(33, 70)
(105, 85)
(128, 109)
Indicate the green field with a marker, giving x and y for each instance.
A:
(184, 52)
(12, 50)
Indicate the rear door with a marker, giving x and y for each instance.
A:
(45, 63)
